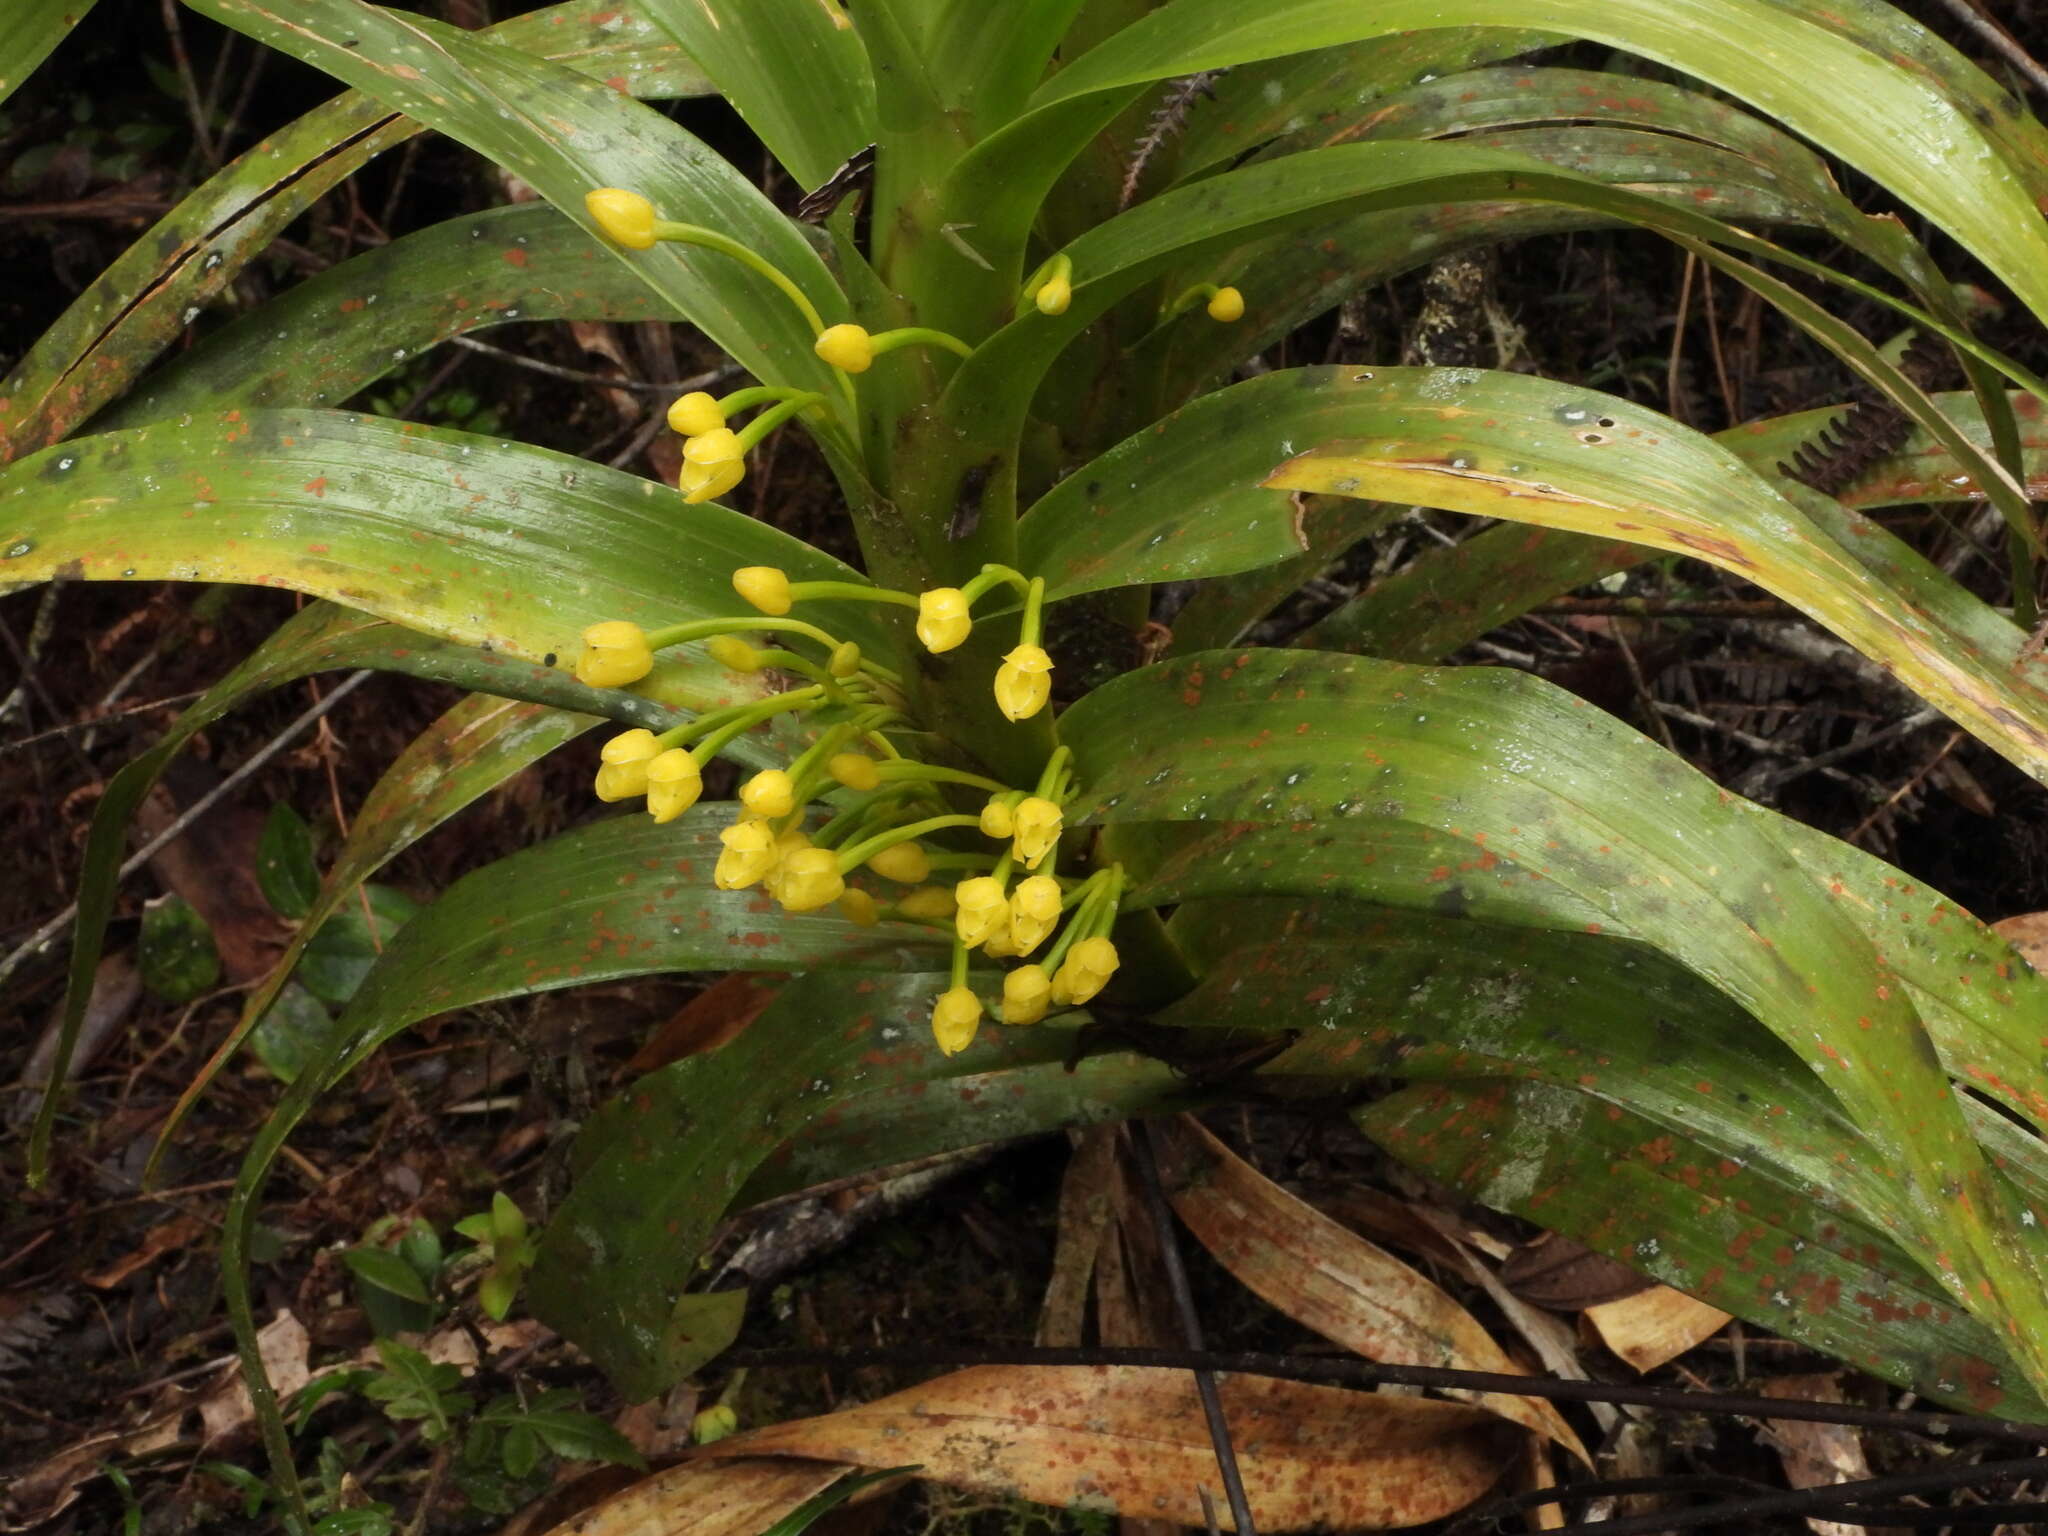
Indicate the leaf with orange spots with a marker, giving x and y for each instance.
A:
(1133, 1440)
(1333, 1281)
(477, 540)
(1379, 992)
(1888, 111)
(1537, 805)
(321, 342)
(1705, 1225)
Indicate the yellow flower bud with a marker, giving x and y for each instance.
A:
(749, 854)
(626, 218)
(714, 1423)
(845, 659)
(846, 346)
(615, 653)
(732, 651)
(1054, 295)
(695, 414)
(720, 446)
(942, 618)
(1000, 945)
(810, 879)
(673, 784)
(1038, 824)
(998, 818)
(955, 1018)
(765, 587)
(1226, 305)
(786, 847)
(625, 758)
(1027, 995)
(1024, 682)
(856, 770)
(700, 483)
(1034, 909)
(769, 793)
(1085, 971)
(905, 863)
(858, 907)
(932, 903)
(983, 908)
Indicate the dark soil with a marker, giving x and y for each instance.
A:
(93, 1337)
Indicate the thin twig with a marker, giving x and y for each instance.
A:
(98, 720)
(195, 108)
(1346, 1371)
(702, 380)
(56, 925)
(1190, 1326)
(2001, 40)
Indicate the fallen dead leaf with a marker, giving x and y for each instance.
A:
(2028, 933)
(1328, 1278)
(1134, 1440)
(1654, 1327)
(1552, 1271)
(165, 1237)
(212, 864)
(1085, 1218)
(706, 1021)
(706, 1498)
(1817, 1455)
(284, 1345)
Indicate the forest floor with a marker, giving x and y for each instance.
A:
(112, 1329)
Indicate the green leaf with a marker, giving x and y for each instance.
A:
(349, 942)
(565, 134)
(292, 1030)
(794, 69)
(1383, 993)
(347, 327)
(658, 1167)
(387, 1271)
(815, 1508)
(1908, 131)
(284, 862)
(179, 960)
(496, 1292)
(1259, 102)
(578, 1436)
(33, 28)
(508, 1222)
(478, 540)
(1702, 1223)
(1516, 771)
(152, 292)
(1524, 449)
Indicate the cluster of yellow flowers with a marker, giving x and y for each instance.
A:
(879, 804)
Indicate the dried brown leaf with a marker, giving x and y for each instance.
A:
(1817, 1455)
(1552, 1271)
(2027, 933)
(1330, 1279)
(706, 1498)
(1654, 1327)
(1134, 1440)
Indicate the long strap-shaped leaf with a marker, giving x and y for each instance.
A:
(155, 289)
(1509, 446)
(1517, 770)
(344, 329)
(475, 539)
(1901, 127)
(1703, 1223)
(32, 28)
(566, 134)
(794, 69)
